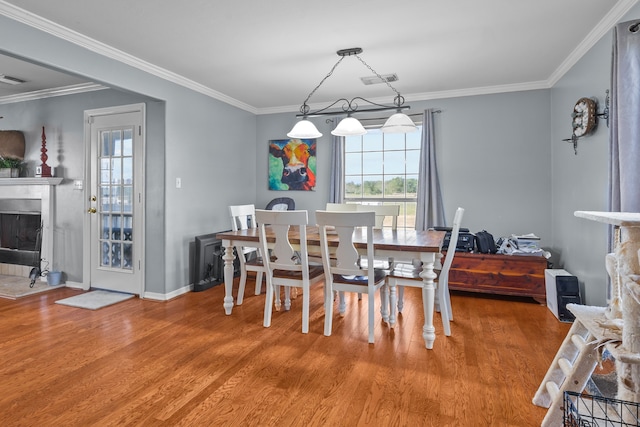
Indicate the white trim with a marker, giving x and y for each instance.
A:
(604, 26)
(56, 30)
(49, 93)
(165, 297)
(86, 233)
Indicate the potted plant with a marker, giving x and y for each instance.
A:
(10, 167)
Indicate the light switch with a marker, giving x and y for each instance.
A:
(77, 184)
(178, 182)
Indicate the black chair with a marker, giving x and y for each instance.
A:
(281, 204)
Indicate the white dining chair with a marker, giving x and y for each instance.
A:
(243, 218)
(341, 207)
(346, 274)
(388, 213)
(286, 267)
(410, 277)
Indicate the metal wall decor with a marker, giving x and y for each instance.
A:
(584, 118)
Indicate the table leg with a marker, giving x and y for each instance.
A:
(228, 258)
(428, 299)
(393, 301)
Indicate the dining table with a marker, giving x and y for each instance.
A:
(403, 245)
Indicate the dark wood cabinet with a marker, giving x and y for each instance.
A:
(519, 275)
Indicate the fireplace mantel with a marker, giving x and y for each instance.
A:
(30, 181)
(36, 189)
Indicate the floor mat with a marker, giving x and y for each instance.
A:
(95, 299)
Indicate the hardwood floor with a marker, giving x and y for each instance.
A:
(184, 362)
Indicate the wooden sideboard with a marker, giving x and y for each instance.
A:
(518, 275)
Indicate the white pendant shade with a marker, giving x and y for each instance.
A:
(399, 123)
(304, 129)
(349, 127)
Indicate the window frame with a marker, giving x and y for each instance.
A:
(411, 144)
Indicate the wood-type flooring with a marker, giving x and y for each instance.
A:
(184, 362)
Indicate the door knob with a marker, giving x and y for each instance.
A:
(92, 210)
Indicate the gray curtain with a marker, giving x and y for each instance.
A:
(430, 210)
(336, 188)
(624, 128)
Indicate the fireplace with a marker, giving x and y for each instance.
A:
(20, 236)
(26, 222)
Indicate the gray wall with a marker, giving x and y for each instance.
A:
(580, 182)
(209, 144)
(62, 118)
(500, 156)
(493, 155)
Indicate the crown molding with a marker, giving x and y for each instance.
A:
(49, 27)
(603, 27)
(49, 93)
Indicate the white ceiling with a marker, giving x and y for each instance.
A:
(267, 56)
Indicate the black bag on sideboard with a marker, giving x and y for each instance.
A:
(485, 242)
(465, 241)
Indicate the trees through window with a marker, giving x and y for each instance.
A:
(383, 169)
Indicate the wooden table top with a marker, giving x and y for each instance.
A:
(385, 239)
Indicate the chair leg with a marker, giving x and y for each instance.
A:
(384, 303)
(258, 282)
(371, 305)
(305, 309)
(287, 298)
(342, 306)
(268, 304)
(400, 298)
(444, 310)
(328, 309)
(243, 282)
(277, 302)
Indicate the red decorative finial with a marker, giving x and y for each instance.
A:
(46, 170)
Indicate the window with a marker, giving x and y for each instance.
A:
(383, 169)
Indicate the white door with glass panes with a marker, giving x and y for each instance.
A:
(116, 199)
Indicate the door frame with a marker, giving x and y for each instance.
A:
(86, 233)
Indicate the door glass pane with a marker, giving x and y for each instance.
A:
(106, 226)
(127, 143)
(116, 196)
(106, 147)
(127, 255)
(117, 142)
(105, 258)
(127, 198)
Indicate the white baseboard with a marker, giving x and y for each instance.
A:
(165, 297)
(147, 295)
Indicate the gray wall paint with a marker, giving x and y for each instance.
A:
(62, 118)
(580, 182)
(501, 157)
(209, 144)
(493, 156)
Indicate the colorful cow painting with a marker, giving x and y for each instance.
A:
(292, 164)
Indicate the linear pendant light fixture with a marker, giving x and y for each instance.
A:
(397, 123)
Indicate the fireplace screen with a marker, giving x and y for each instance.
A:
(20, 235)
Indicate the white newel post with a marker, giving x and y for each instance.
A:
(36, 189)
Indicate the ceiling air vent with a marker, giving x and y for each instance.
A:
(374, 80)
(10, 80)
